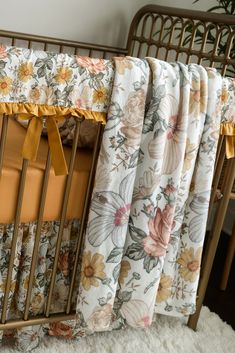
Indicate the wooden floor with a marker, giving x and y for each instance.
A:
(222, 302)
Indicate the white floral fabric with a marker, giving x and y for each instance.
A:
(149, 206)
(61, 80)
(28, 338)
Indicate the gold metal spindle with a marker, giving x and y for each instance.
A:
(180, 41)
(216, 180)
(215, 48)
(3, 140)
(39, 320)
(191, 45)
(142, 35)
(169, 40)
(14, 239)
(219, 148)
(220, 157)
(149, 36)
(228, 261)
(227, 53)
(62, 218)
(38, 234)
(204, 40)
(160, 35)
(84, 216)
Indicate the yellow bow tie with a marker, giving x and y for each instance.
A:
(228, 130)
(32, 140)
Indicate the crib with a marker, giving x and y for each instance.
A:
(31, 191)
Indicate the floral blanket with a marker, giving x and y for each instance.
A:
(149, 207)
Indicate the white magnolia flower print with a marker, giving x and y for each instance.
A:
(113, 211)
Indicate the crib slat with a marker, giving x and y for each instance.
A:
(84, 216)
(38, 234)
(14, 239)
(63, 215)
(3, 140)
(39, 320)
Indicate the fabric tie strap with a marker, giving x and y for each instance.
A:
(228, 130)
(32, 140)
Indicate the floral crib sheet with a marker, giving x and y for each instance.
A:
(28, 338)
(149, 206)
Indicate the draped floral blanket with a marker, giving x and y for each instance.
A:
(149, 206)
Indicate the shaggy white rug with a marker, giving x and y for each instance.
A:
(166, 335)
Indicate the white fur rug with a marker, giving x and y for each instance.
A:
(166, 335)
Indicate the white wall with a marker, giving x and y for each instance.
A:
(96, 21)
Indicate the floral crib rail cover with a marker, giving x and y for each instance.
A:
(41, 86)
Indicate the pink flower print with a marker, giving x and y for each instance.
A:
(112, 210)
(122, 215)
(172, 127)
(155, 244)
(3, 52)
(94, 66)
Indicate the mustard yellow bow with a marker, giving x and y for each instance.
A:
(32, 140)
(228, 130)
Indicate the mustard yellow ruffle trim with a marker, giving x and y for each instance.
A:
(52, 114)
(228, 130)
(41, 110)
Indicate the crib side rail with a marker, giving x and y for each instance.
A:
(187, 36)
(59, 45)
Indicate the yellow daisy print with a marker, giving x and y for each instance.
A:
(25, 72)
(5, 85)
(37, 303)
(100, 96)
(34, 95)
(63, 75)
(189, 264)
(122, 64)
(164, 288)
(125, 268)
(198, 97)
(92, 270)
(224, 95)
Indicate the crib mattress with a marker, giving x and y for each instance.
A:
(11, 176)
